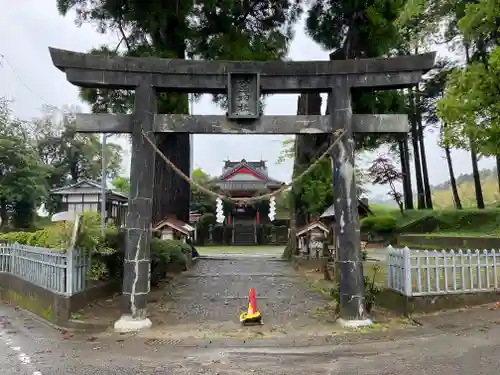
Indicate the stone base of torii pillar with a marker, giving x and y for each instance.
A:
(354, 323)
(128, 324)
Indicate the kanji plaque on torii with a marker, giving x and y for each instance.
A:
(243, 82)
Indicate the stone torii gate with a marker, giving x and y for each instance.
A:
(243, 82)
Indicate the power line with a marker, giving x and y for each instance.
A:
(5, 61)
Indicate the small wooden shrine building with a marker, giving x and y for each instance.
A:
(310, 238)
(172, 228)
(328, 217)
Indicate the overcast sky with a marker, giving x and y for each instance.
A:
(27, 76)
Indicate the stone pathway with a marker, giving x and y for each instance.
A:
(209, 298)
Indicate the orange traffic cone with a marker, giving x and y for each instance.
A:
(252, 316)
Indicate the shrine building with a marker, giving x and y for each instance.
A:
(246, 179)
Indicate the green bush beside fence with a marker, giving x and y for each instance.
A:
(107, 253)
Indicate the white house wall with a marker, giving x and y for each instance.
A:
(82, 202)
(79, 198)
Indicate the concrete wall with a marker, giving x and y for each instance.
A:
(427, 304)
(442, 242)
(51, 306)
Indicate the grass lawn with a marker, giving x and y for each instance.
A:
(464, 277)
(467, 222)
(216, 250)
(403, 220)
(456, 234)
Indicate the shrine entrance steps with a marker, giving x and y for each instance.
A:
(244, 234)
(208, 299)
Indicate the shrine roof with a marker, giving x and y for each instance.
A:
(86, 184)
(313, 225)
(174, 223)
(363, 209)
(259, 168)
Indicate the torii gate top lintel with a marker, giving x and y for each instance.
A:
(210, 76)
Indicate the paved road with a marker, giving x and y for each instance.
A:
(30, 348)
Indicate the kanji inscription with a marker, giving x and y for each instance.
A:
(243, 95)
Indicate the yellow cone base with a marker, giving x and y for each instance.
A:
(251, 319)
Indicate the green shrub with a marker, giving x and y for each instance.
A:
(372, 290)
(206, 220)
(164, 253)
(366, 224)
(383, 224)
(185, 248)
(108, 252)
(22, 238)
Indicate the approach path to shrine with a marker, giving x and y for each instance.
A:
(207, 300)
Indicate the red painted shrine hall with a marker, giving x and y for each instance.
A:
(246, 179)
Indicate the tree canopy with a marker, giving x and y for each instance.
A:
(41, 154)
(471, 105)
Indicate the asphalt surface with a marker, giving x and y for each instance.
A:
(214, 291)
(28, 347)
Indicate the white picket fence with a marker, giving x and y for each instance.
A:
(63, 273)
(421, 273)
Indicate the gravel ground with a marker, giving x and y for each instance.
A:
(209, 298)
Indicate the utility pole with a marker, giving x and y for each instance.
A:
(103, 183)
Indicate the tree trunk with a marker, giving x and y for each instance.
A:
(423, 159)
(477, 178)
(498, 171)
(172, 193)
(305, 151)
(401, 208)
(291, 247)
(409, 203)
(473, 152)
(416, 153)
(425, 172)
(404, 172)
(453, 181)
(407, 193)
(3, 214)
(24, 214)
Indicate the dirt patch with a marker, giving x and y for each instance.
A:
(384, 319)
(108, 311)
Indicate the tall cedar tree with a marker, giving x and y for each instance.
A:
(474, 24)
(433, 91)
(207, 29)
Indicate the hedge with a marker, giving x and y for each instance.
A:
(108, 252)
(380, 225)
